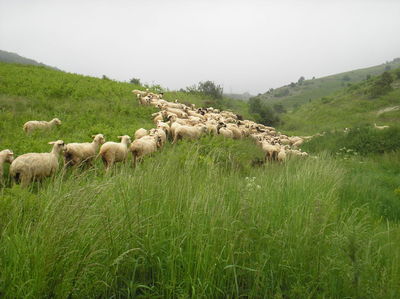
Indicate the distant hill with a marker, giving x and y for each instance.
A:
(10, 57)
(295, 94)
(239, 96)
(364, 103)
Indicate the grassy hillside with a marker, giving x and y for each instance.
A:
(196, 219)
(296, 94)
(10, 57)
(356, 105)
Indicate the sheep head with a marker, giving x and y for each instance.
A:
(99, 138)
(58, 146)
(56, 121)
(125, 139)
(9, 155)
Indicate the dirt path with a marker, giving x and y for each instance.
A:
(387, 109)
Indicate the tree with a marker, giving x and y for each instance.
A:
(135, 81)
(301, 80)
(388, 68)
(382, 85)
(279, 108)
(211, 89)
(104, 77)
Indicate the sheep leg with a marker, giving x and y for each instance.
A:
(25, 180)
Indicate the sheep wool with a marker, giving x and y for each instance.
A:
(34, 166)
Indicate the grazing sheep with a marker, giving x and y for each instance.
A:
(164, 126)
(160, 133)
(281, 157)
(224, 131)
(32, 125)
(270, 150)
(140, 133)
(178, 112)
(380, 127)
(33, 166)
(112, 152)
(5, 156)
(188, 132)
(144, 146)
(77, 153)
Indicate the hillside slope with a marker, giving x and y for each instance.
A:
(10, 57)
(356, 105)
(296, 94)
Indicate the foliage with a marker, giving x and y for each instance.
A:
(350, 107)
(207, 88)
(382, 85)
(135, 81)
(263, 113)
(317, 88)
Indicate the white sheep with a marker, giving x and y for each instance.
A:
(78, 153)
(270, 150)
(33, 166)
(31, 125)
(160, 133)
(112, 152)
(380, 127)
(144, 146)
(281, 157)
(5, 156)
(189, 132)
(140, 133)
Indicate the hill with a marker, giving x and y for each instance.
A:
(10, 57)
(298, 93)
(357, 105)
(198, 219)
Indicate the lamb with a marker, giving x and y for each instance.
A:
(112, 152)
(33, 166)
(32, 125)
(78, 153)
(380, 127)
(144, 146)
(5, 156)
(189, 132)
(140, 133)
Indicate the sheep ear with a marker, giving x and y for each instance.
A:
(93, 136)
(119, 137)
(11, 154)
(52, 142)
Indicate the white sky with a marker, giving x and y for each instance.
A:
(243, 45)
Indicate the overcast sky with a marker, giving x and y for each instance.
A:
(244, 45)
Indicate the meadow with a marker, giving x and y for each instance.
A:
(198, 219)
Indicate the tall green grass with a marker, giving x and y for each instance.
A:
(194, 227)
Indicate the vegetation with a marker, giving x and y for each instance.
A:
(376, 100)
(197, 219)
(9, 57)
(296, 94)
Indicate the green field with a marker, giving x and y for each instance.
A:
(197, 219)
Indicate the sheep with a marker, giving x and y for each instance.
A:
(224, 131)
(178, 112)
(237, 134)
(144, 146)
(78, 153)
(5, 156)
(270, 150)
(112, 152)
(161, 133)
(165, 127)
(380, 127)
(189, 132)
(281, 157)
(33, 166)
(140, 133)
(31, 125)
(139, 92)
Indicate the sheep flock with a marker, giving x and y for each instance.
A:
(174, 121)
